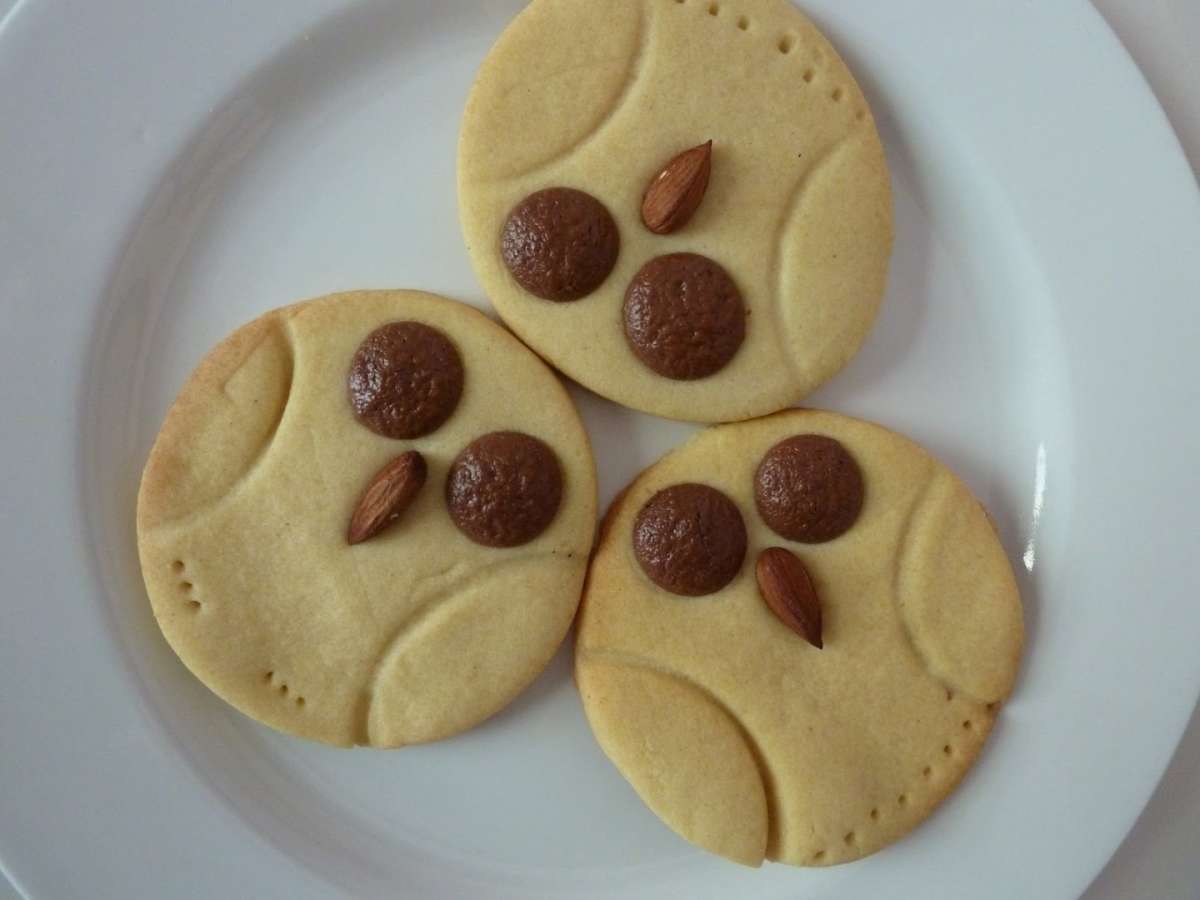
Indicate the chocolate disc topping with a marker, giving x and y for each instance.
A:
(808, 488)
(405, 380)
(560, 243)
(684, 316)
(504, 489)
(690, 539)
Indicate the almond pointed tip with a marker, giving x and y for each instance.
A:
(677, 190)
(788, 591)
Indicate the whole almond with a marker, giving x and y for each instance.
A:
(788, 590)
(676, 192)
(389, 494)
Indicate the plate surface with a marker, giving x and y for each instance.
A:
(168, 170)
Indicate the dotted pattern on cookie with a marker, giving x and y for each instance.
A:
(785, 43)
(277, 684)
(821, 856)
(706, 353)
(186, 587)
(932, 768)
(247, 570)
(589, 109)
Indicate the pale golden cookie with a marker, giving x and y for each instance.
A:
(597, 96)
(419, 631)
(740, 734)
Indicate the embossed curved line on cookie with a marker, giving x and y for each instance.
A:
(903, 543)
(282, 332)
(765, 773)
(902, 550)
(783, 227)
(435, 597)
(615, 103)
(454, 570)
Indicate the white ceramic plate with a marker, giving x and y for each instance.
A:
(169, 169)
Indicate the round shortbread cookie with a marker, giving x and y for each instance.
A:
(419, 631)
(797, 210)
(737, 731)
